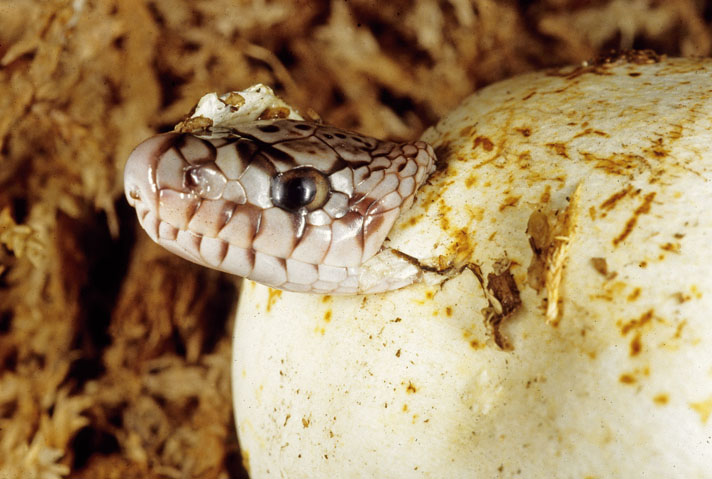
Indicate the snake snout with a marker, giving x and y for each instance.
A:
(140, 185)
(140, 180)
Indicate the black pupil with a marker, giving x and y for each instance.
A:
(294, 193)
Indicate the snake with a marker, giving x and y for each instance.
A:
(295, 205)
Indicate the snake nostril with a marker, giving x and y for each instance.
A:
(135, 193)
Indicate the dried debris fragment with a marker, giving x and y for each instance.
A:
(503, 296)
(550, 241)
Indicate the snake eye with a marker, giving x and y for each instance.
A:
(300, 188)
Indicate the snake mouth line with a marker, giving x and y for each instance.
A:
(260, 267)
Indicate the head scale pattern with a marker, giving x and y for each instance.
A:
(291, 204)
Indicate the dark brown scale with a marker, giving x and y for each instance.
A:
(280, 160)
(268, 128)
(246, 148)
(180, 141)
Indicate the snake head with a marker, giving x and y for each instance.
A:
(291, 204)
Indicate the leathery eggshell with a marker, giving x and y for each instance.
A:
(564, 325)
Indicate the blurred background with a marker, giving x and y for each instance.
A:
(114, 355)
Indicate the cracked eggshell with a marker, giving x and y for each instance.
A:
(588, 189)
(213, 114)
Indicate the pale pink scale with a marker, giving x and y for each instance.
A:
(234, 192)
(351, 282)
(410, 169)
(323, 287)
(210, 217)
(314, 244)
(170, 170)
(379, 163)
(332, 274)
(256, 182)
(360, 174)
(345, 249)
(240, 230)
(150, 224)
(167, 231)
(337, 206)
(176, 208)
(376, 228)
(297, 288)
(420, 174)
(196, 151)
(343, 181)
(299, 272)
(277, 234)
(406, 186)
(213, 251)
(391, 201)
(369, 183)
(229, 162)
(268, 270)
(190, 244)
(238, 260)
(425, 155)
(319, 218)
(389, 183)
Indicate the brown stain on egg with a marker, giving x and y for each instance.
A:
(484, 142)
(601, 266)
(559, 148)
(612, 200)
(638, 326)
(272, 296)
(509, 202)
(671, 247)
(638, 323)
(468, 131)
(627, 379)
(635, 345)
(471, 181)
(634, 295)
(703, 408)
(661, 399)
(643, 209)
(591, 132)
